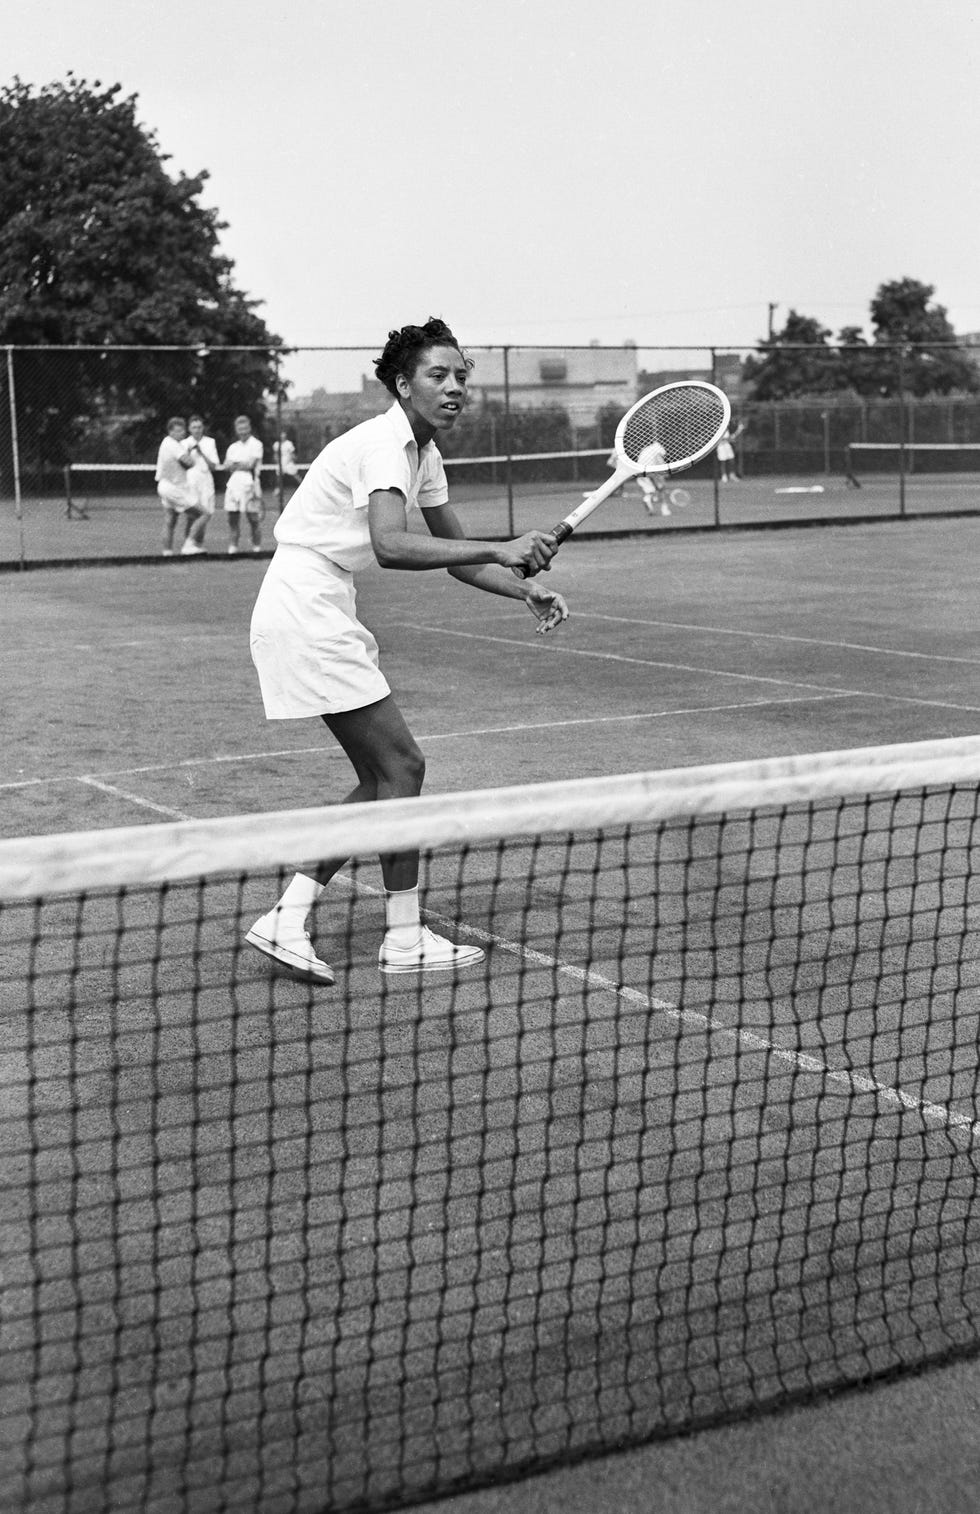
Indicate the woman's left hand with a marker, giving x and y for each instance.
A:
(547, 607)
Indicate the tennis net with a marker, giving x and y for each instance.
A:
(942, 459)
(101, 483)
(123, 484)
(698, 1138)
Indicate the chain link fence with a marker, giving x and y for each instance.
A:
(80, 428)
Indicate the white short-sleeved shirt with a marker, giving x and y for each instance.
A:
(329, 511)
(208, 447)
(169, 470)
(251, 451)
(287, 457)
(201, 478)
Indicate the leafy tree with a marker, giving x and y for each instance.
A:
(858, 370)
(910, 345)
(796, 360)
(902, 315)
(99, 244)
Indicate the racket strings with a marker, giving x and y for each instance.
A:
(669, 429)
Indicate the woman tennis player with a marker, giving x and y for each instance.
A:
(314, 657)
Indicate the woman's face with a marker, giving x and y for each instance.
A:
(436, 392)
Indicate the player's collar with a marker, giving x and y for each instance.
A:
(403, 427)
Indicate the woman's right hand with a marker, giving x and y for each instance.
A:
(529, 554)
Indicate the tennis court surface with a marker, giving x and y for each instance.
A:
(698, 1138)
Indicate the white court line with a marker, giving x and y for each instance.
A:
(808, 641)
(146, 804)
(622, 620)
(215, 760)
(855, 1083)
(329, 751)
(114, 646)
(852, 1082)
(555, 650)
(823, 691)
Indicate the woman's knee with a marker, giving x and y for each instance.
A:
(381, 749)
(408, 767)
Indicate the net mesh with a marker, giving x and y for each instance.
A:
(914, 457)
(696, 1139)
(674, 425)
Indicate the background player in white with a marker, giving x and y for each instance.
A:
(243, 491)
(725, 453)
(652, 490)
(314, 657)
(652, 486)
(204, 457)
(284, 451)
(174, 464)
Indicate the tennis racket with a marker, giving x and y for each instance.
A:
(665, 432)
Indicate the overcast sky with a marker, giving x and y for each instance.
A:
(556, 170)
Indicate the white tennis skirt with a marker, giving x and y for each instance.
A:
(311, 653)
(175, 496)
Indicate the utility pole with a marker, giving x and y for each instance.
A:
(773, 307)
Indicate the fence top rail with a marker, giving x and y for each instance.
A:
(284, 349)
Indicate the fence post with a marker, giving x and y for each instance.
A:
(279, 489)
(15, 453)
(901, 431)
(508, 451)
(714, 459)
(825, 417)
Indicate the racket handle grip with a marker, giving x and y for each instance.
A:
(560, 532)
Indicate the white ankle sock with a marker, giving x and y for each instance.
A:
(299, 896)
(402, 917)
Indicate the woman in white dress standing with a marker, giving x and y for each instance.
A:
(314, 657)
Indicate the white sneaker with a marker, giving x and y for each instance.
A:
(191, 549)
(232, 550)
(168, 552)
(289, 944)
(430, 954)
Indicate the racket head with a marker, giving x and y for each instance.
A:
(673, 427)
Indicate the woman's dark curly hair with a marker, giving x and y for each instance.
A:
(404, 349)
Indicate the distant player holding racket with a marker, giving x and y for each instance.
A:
(726, 454)
(655, 493)
(652, 491)
(314, 657)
